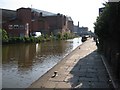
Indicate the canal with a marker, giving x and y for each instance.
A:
(22, 64)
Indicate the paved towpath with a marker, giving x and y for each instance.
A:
(82, 68)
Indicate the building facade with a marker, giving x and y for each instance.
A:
(26, 21)
(81, 31)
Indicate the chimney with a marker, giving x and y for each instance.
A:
(78, 23)
(41, 13)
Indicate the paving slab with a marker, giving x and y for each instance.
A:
(63, 85)
(50, 84)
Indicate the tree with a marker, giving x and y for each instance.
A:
(107, 28)
(107, 24)
(102, 23)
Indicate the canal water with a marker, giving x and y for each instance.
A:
(22, 64)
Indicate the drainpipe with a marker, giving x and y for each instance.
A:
(27, 29)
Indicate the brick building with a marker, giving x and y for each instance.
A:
(25, 21)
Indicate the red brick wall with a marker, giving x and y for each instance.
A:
(57, 22)
(25, 15)
(70, 25)
(13, 31)
(37, 22)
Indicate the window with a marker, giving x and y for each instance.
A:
(21, 26)
(16, 26)
(10, 26)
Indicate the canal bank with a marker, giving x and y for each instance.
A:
(82, 68)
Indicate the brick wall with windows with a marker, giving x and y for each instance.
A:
(28, 21)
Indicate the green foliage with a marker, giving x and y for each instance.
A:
(42, 37)
(32, 39)
(66, 35)
(52, 37)
(16, 39)
(101, 24)
(59, 36)
(107, 24)
(4, 35)
(47, 38)
(22, 39)
(27, 39)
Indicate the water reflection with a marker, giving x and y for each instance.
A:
(25, 63)
(20, 54)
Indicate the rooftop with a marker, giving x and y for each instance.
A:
(8, 15)
(69, 19)
(44, 13)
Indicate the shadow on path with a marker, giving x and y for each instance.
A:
(90, 72)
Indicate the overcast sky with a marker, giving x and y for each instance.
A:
(84, 11)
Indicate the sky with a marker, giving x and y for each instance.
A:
(84, 11)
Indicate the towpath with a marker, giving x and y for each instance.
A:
(82, 68)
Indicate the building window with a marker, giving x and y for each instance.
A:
(16, 26)
(21, 26)
(10, 26)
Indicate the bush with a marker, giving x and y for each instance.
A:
(41, 38)
(27, 39)
(4, 35)
(22, 39)
(59, 36)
